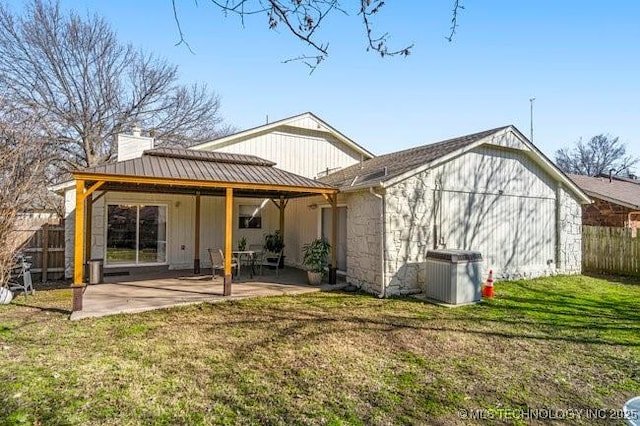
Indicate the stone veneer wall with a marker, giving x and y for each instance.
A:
(408, 212)
(363, 241)
(570, 234)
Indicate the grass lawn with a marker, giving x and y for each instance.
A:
(325, 358)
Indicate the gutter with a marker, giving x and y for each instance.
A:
(383, 248)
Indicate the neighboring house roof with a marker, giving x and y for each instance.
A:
(386, 170)
(621, 192)
(622, 178)
(183, 164)
(227, 140)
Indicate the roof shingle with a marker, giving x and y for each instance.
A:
(620, 191)
(388, 166)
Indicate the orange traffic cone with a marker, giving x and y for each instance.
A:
(487, 290)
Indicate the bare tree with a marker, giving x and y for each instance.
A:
(23, 158)
(600, 155)
(304, 18)
(87, 86)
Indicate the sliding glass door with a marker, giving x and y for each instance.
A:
(136, 234)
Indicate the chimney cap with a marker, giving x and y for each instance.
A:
(136, 130)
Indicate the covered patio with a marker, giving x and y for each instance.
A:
(149, 291)
(187, 173)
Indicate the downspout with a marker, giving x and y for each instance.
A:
(383, 244)
(558, 253)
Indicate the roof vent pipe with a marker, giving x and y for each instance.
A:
(610, 175)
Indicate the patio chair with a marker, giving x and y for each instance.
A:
(217, 262)
(271, 260)
(258, 251)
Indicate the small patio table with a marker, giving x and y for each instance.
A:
(250, 255)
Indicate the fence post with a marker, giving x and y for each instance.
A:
(45, 252)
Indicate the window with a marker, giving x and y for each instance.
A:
(250, 217)
(136, 234)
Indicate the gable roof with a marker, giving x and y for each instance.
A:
(386, 167)
(386, 170)
(177, 166)
(621, 192)
(227, 140)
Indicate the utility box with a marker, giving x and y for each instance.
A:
(454, 276)
(96, 271)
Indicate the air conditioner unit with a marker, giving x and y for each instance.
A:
(453, 276)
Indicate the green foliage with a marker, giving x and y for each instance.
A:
(242, 244)
(273, 242)
(315, 255)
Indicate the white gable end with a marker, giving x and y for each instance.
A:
(308, 122)
(304, 153)
(508, 139)
(303, 144)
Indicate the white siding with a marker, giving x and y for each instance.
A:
(489, 170)
(492, 199)
(181, 224)
(304, 152)
(212, 219)
(498, 202)
(300, 226)
(516, 235)
(131, 146)
(307, 122)
(508, 139)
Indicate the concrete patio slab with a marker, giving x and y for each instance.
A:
(148, 291)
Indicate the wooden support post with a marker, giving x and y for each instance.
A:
(87, 228)
(228, 241)
(45, 253)
(78, 247)
(333, 267)
(196, 259)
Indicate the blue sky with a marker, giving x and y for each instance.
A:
(579, 59)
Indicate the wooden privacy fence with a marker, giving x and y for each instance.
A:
(610, 250)
(45, 246)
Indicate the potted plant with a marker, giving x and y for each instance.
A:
(315, 259)
(274, 243)
(242, 244)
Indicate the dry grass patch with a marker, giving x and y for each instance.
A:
(323, 358)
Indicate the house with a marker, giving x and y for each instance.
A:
(491, 191)
(616, 201)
